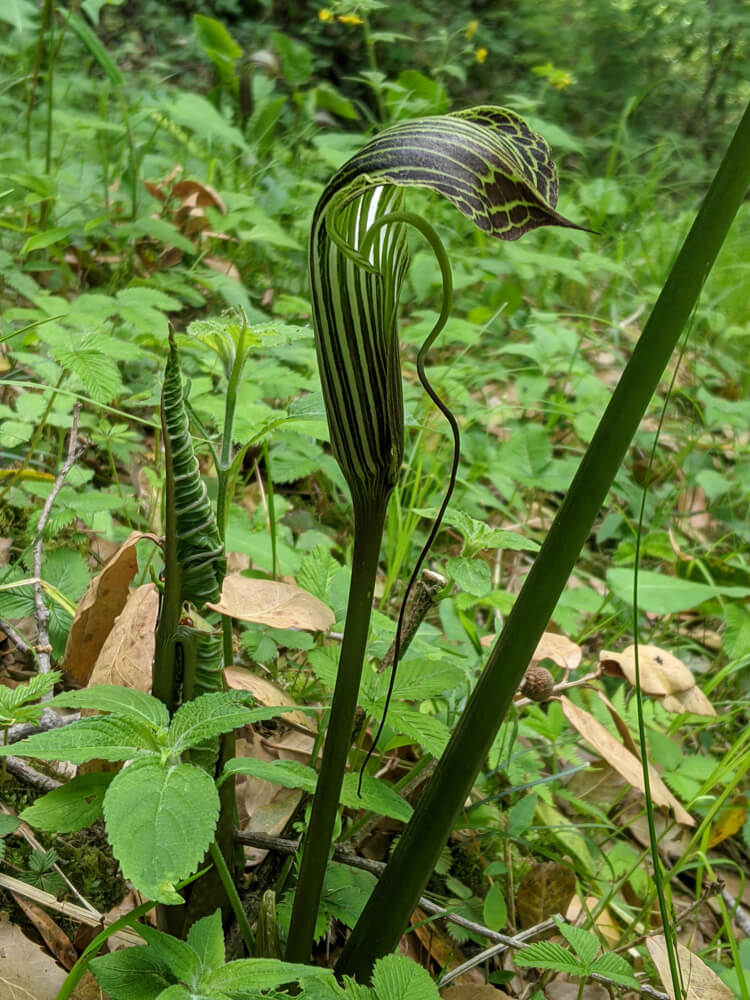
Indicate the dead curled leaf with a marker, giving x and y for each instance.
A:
(621, 759)
(558, 648)
(700, 982)
(103, 601)
(127, 655)
(280, 605)
(662, 675)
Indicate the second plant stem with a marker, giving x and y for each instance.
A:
(368, 530)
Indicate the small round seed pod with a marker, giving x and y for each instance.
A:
(538, 684)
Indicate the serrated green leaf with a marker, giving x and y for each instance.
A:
(584, 943)
(178, 956)
(548, 955)
(430, 733)
(126, 702)
(36, 686)
(247, 974)
(206, 938)
(287, 773)
(397, 977)
(616, 968)
(471, 575)
(207, 717)
(160, 822)
(73, 806)
(130, 974)
(98, 373)
(106, 738)
(377, 796)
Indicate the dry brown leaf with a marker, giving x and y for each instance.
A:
(729, 821)
(693, 700)
(472, 991)
(562, 989)
(620, 725)
(27, 971)
(621, 759)
(661, 672)
(558, 648)
(700, 982)
(56, 940)
(222, 266)
(545, 889)
(127, 656)
(280, 605)
(599, 784)
(103, 601)
(442, 949)
(265, 693)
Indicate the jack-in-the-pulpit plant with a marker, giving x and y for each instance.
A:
(498, 173)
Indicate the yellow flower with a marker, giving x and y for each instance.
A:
(324, 14)
(471, 30)
(561, 80)
(481, 55)
(350, 19)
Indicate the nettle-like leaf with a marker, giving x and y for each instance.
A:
(125, 702)
(496, 171)
(160, 822)
(208, 716)
(105, 738)
(397, 978)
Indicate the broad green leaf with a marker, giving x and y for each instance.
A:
(287, 773)
(495, 910)
(377, 796)
(548, 955)
(206, 938)
(397, 977)
(206, 717)
(46, 239)
(160, 822)
(661, 594)
(521, 816)
(105, 738)
(8, 824)
(126, 702)
(247, 974)
(130, 974)
(471, 575)
(73, 806)
(178, 956)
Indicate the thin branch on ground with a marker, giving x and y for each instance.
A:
(18, 640)
(30, 776)
(41, 612)
(49, 720)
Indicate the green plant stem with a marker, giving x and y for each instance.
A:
(386, 914)
(368, 529)
(231, 891)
